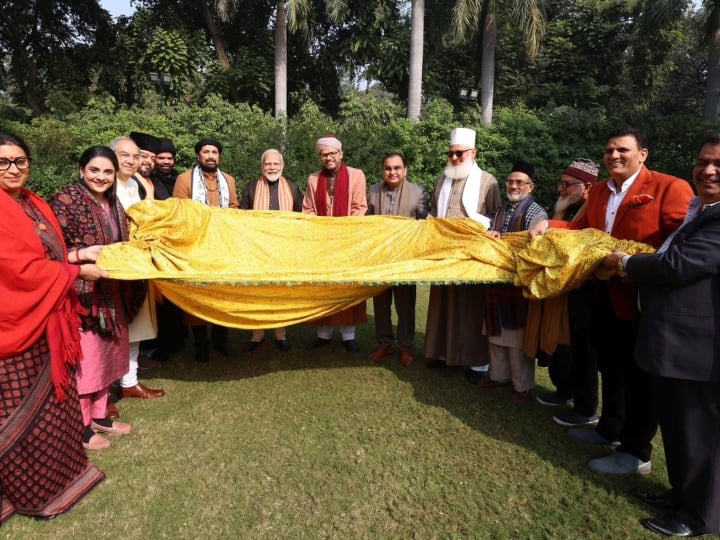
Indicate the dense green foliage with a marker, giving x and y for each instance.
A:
(369, 124)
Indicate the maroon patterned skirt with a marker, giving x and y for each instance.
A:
(44, 470)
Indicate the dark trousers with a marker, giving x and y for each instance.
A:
(219, 335)
(404, 296)
(689, 414)
(628, 412)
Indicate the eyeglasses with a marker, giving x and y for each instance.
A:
(565, 185)
(21, 163)
(518, 183)
(329, 155)
(457, 153)
(124, 156)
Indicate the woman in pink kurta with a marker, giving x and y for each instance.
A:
(91, 216)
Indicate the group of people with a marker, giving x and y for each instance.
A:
(69, 333)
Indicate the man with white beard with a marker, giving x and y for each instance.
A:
(564, 348)
(456, 312)
(272, 191)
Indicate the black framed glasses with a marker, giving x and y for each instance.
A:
(565, 185)
(457, 153)
(22, 163)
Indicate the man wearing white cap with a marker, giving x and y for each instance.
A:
(336, 190)
(453, 334)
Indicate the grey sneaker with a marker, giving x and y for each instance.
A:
(590, 436)
(620, 463)
(553, 399)
(574, 419)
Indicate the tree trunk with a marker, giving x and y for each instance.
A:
(712, 84)
(23, 68)
(281, 61)
(215, 35)
(487, 71)
(417, 35)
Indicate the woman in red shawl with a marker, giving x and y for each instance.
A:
(43, 467)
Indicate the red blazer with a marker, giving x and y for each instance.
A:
(654, 206)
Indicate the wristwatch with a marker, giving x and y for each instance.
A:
(622, 261)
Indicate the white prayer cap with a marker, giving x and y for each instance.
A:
(329, 141)
(463, 137)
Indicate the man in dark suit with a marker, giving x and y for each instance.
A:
(639, 204)
(396, 197)
(678, 344)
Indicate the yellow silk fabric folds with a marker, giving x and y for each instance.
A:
(258, 269)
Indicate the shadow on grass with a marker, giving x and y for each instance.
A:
(487, 411)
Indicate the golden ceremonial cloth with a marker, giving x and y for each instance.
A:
(260, 269)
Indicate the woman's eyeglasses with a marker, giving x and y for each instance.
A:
(21, 163)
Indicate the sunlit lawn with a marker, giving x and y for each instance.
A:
(324, 444)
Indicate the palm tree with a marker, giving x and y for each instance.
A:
(473, 17)
(663, 12)
(293, 15)
(417, 31)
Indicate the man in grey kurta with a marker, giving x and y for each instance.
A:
(396, 196)
(453, 336)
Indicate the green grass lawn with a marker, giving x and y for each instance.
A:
(325, 444)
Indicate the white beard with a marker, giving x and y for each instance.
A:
(459, 172)
(274, 177)
(517, 197)
(563, 203)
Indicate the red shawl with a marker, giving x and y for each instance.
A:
(341, 196)
(37, 294)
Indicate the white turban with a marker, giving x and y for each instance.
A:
(463, 137)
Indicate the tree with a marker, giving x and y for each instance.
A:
(50, 46)
(473, 17)
(417, 29)
(664, 12)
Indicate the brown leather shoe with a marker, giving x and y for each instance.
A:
(520, 398)
(141, 391)
(381, 352)
(489, 383)
(406, 358)
(111, 411)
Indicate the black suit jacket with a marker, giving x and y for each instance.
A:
(679, 300)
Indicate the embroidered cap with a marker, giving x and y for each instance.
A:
(583, 169)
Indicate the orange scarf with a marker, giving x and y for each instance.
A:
(261, 201)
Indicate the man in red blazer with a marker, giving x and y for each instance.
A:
(638, 204)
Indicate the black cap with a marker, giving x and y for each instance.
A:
(524, 167)
(166, 145)
(208, 142)
(145, 141)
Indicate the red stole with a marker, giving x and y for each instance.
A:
(341, 196)
(37, 293)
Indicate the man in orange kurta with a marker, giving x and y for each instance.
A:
(336, 190)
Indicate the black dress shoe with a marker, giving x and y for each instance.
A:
(670, 526)
(667, 499)
(250, 346)
(350, 345)
(282, 344)
(319, 342)
(438, 363)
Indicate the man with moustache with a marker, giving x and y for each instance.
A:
(130, 189)
(678, 345)
(272, 191)
(639, 204)
(565, 346)
(207, 184)
(453, 335)
(149, 146)
(165, 175)
(396, 196)
(506, 309)
(336, 190)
